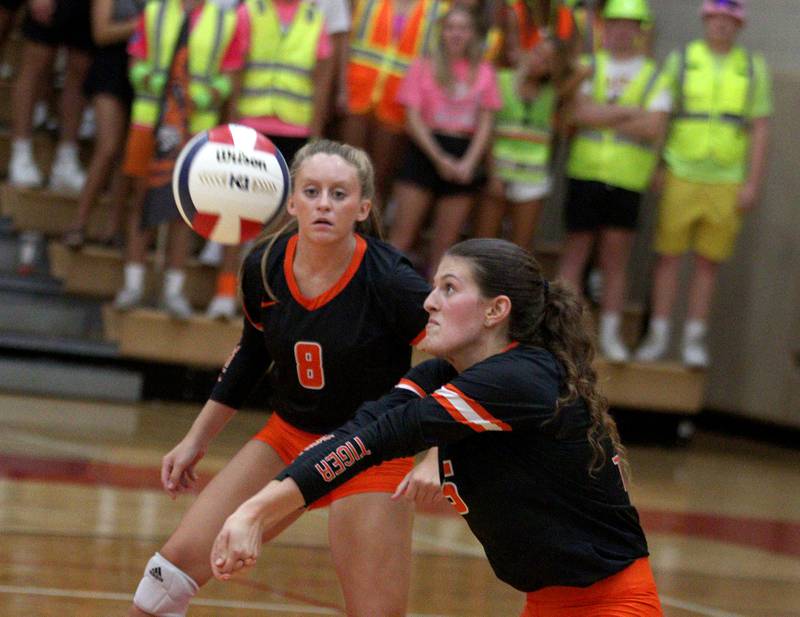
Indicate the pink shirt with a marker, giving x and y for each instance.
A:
(270, 125)
(235, 56)
(454, 111)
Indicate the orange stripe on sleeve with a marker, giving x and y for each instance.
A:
(468, 410)
(407, 384)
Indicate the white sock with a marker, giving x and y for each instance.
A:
(659, 327)
(21, 146)
(134, 275)
(173, 282)
(66, 149)
(609, 323)
(694, 330)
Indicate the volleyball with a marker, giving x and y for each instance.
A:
(229, 182)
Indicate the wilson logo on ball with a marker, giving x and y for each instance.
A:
(229, 182)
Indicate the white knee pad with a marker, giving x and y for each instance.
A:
(165, 590)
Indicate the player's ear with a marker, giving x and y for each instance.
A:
(290, 206)
(364, 209)
(499, 309)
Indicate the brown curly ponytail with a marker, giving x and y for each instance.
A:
(551, 316)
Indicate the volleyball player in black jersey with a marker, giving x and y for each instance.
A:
(334, 313)
(528, 453)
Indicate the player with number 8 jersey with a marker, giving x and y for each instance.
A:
(330, 317)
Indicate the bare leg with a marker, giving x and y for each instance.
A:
(701, 289)
(355, 129)
(120, 193)
(451, 214)
(387, 149)
(524, 218)
(615, 250)
(370, 537)
(189, 547)
(577, 248)
(665, 285)
(72, 100)
(412, 206)
(179, 239)
(36, 58)
(138, 238)
(490, 213)
(110, 115)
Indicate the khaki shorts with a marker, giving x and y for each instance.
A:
(704, 218)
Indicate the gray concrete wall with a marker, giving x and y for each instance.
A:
(755, 325)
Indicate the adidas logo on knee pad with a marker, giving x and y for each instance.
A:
(156, 574)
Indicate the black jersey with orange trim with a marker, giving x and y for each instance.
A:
(330, 353)
(517, 471)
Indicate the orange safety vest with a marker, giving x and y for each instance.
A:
(377, 63)
(530, 34)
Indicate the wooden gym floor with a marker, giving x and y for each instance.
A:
(81, 512)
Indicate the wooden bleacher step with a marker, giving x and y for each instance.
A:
(45, 211)
(97, 271)
(654, 386)
(148, 334)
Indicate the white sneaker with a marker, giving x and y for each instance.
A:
(128, 298)
(177, 306)
(211, 255)
(40, 115)
(22, 169)
(28, 251)
(614, 351)
(656, 343)
(222, 307)
(611, 347)
(88, 127)
(695, 354)
(67, 175)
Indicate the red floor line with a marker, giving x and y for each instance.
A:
(782, 537)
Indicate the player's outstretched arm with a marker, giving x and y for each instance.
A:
(238, 544)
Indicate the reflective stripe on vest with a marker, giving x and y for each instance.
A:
(208, 40)
(523, 133)
(606, 156)
(377, 63)
(278, 80)
(715, 97)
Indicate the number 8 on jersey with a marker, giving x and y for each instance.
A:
(308, 358)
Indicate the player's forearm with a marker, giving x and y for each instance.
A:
(323, 80)
(594, 115)
(759, 142)
(273, 503)
(210, 421)
(422, 135)
(647, 126)
(480, 140)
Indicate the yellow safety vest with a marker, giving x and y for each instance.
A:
(606, 156)
(208, 41)
(523, 133)
(711, 117)
(278, 78)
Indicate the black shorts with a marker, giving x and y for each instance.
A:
(593, 205)
(70, 26)
(288, 146)
(419, 170)
(108, 74)
(11, 5)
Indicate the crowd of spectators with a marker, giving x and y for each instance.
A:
(461, 105)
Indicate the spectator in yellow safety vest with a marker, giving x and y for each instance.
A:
(621, 115)
(715, 161)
